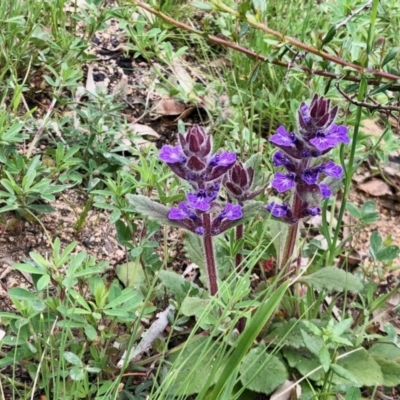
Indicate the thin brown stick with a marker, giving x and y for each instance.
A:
(252, 54)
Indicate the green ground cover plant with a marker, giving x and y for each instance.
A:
(277, 93)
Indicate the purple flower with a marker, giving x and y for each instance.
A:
(181, 212)
(323, 140)
(277, 210)
(311, 211)
(231, 212)
(225, 159)
(284, 138)
(280, 159)
(283, 182)
(172, 154)
(331, 169)
(340, 132)
(201, 199)
(199, 230)
(325, 191)
(310, 175)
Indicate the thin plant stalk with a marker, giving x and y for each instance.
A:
(239, 255)
(212, 275)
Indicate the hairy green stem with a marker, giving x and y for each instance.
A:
(210, 258)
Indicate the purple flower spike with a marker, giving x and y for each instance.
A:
(181, 212)
(225, 159)
(310, 175)
(277, 210)
(331, 169)
(311, 211)
(325, 191)
(283, 138)
(231, 212)
(171, 154)
(201, 199)
(283, 182)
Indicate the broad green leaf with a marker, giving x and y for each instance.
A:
(313, 343)
(353, 393)
(131, 274)
(333, 279)
(304, 362)
(90, 332)
(375, 244)
(262, 372)
(194, 250)
(390, 371)
(151, 209)
(22, 294)
(389, 351)
(176, 284)
(194, 306)
(30, 269)
(388, 253)
(72, 358)
(200, 356)
(126, 295)
(362, 368)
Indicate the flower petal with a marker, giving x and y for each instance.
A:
(171, 154)
(283, 138)
(278, 210)
(310, 175)
(231, 212)
(224, 159)
(325, 191)
(283, 182)
(331, 169)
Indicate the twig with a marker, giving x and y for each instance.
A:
(372, 107)
(296, 43)
(368, 4)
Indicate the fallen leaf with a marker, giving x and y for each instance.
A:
(375, 187)
(287, 391)
(144, 130)
(169, 107)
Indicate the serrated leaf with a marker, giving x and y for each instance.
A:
(260, 375)
(333, 279)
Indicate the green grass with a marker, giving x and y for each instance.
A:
(66, 334)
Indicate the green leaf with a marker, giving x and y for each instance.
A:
(390, 370)
(43, 282)
(375, 244)
(344, 373)
(72, 358)
(131, 274)
(325, 358)
(194, 306)
(151, 209)
(262, 372)
(22, 294)
(388, 351)
(329, 36)
(126, 295)
(390, 55)
(304, 362)
(333, 279)
(362, 367)
(246, 339)
(200, 356)
(354, 210)
(313, 343)
(388, 253)
(176, 284)
(353, 393)
(194, 250)
(201, 5)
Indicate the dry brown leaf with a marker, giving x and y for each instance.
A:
(287, 391)
(169, 107)
(376, 188)
(144, 130)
